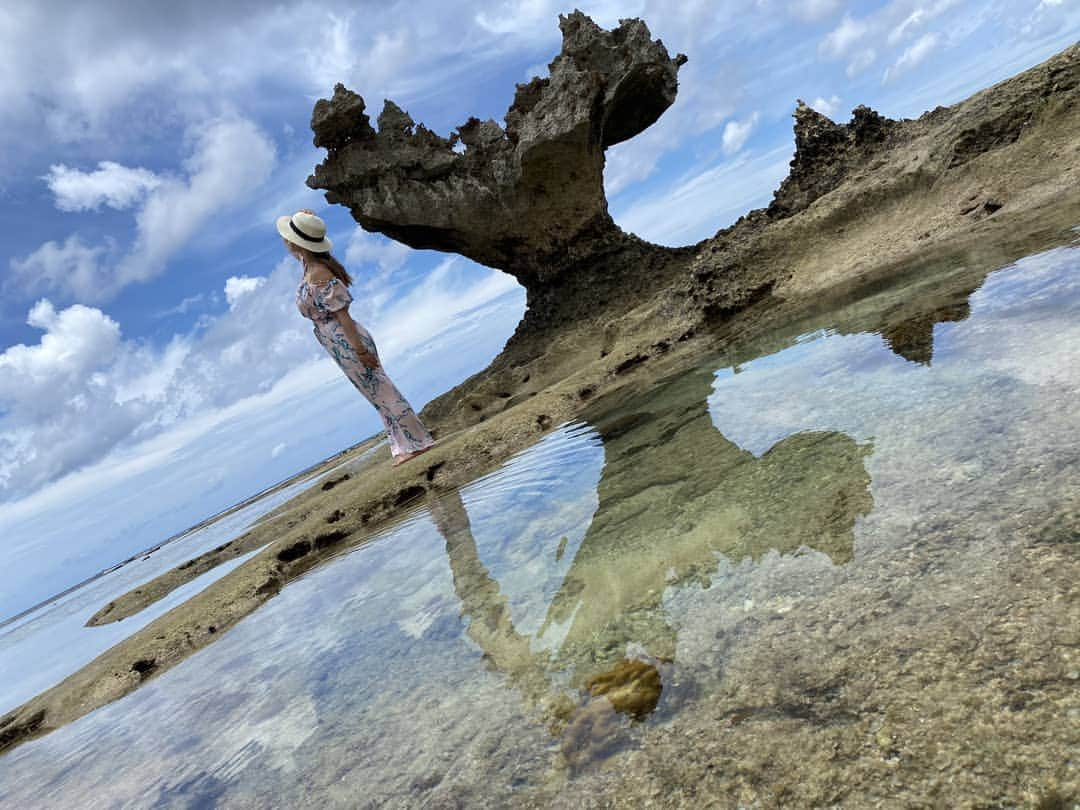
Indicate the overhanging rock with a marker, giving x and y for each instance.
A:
(527, 199)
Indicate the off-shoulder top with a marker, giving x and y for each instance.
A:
(319, 302)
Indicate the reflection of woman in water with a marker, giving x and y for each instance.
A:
(585, 722)
(323, 296)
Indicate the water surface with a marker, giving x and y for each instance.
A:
(837, 571)
(44, 645)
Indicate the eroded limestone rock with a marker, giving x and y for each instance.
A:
(527, 199)
(825, 152)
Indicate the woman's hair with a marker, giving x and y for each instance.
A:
(325, 259)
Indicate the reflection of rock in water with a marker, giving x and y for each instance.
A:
(913, 338)
(674, 494)
(905, 315)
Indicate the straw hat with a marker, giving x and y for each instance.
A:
(305, 230)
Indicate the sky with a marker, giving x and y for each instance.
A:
(153, 366)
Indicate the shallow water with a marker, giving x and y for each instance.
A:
(839, 571)
(41, 647)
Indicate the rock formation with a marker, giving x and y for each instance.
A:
(976, 185)
(825, 152)
(862, 200)
(528, 198)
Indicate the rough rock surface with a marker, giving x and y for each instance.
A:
(825, 152)
(527, 198)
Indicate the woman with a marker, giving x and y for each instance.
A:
(323, 296)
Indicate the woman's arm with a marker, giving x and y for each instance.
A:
(348, 326)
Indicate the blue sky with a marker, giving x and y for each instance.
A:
(153, 368)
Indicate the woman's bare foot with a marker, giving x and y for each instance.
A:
(406, 456)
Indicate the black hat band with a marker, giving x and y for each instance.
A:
(300, 233)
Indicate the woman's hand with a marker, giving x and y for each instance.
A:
(368, 359)
(348, 326)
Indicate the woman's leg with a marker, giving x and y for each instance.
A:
(407, 433)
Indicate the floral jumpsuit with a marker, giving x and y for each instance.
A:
(319, 302)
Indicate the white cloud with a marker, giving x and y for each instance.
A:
(366, 249)
(185, 306)
(913, 56)
(236, 287)
(736, 133)
(706, 200)
(842, 39)
(279, 448)
(90, 63)
(434, 305)
(860, 62)
(708, 94)
(230, 159)
(630, 163)
(78, 269)
(375, 248)
(84, 392)
(358, 54)
(517, 17)
(116, 75)
(862, 41)
(539, 69)
(111, 184)
(52, 395)
(917, 18)
(1048, 18)
(828, 107)
(77, 341)
(813, 10)
(909, 25)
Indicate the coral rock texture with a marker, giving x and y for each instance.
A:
(862, 201)
(825, 153)
(528, 198)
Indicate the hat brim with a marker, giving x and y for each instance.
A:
(290, 235)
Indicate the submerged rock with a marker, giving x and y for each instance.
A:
(632, 687)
